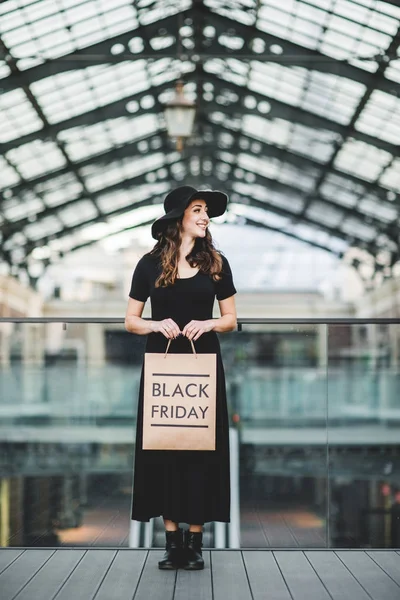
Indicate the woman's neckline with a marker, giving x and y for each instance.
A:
(191, 277)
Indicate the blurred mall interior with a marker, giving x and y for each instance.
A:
(293, 109)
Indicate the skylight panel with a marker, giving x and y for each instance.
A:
(91, 140)
(114, 200)
(159, 9)
(343, 197)
(361, 159)
(258, 214)
(78, 212)
(220, 67)
(36, 158)
(276, 131)
(341, 29)
(381, 117)
(74, 93)
(393, 71)
(301, 179)
(358, 229)
(231, 10)
(44, 227)
(18, 116)
(391, 177)
(35, 11)
(340, 190)
(96, 177)
(58, 190)
(291, 202)
(333, 97)
(42, 29)
(321, 93)
(38, 32)
(21, 207)
(11, 16)
(313, 143)
(88, 146)
(275, 81)
(324, 213)
(267, 167)
(9, 176)
(373, 207)
(283, 21)
(136, 215)
(4, 70)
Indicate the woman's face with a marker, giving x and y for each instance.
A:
(195, 219)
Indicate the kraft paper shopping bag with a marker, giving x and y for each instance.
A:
(179, 401)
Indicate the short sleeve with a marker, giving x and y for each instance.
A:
(140, 289)
(225, 287)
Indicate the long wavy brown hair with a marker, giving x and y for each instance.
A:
(203, 255)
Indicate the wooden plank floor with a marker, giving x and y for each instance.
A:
(127, 574)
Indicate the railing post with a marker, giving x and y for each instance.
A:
(148, 534)
(234, 525)
(219, 535)
(134, 534)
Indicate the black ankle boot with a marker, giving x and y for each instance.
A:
(193, 556)
(172, 558)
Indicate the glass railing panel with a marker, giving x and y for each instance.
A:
(68, 398)
(276, 377)
(364, 435)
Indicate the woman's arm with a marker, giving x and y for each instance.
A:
(133, 318)
(226, 322)
(135, 324)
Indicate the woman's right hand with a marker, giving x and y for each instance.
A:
(167, 327)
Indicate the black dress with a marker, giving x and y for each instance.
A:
(183, 486)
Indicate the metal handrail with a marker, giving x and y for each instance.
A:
(240, 321)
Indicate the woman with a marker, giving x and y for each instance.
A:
(182, 275)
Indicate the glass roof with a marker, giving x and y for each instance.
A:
(298, 118)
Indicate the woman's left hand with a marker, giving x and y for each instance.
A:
(194, 329)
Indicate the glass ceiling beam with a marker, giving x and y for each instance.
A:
(292, 54)
(350, 128)
(254, 223)
(293, 114)
(229, 185)
(130, 150)
(113, 110)
(279, 110)
(287, 190)
(108, 235)
(37, 108)
(101, 53)
(18, 225)
(27, 248)
(211, 148)
(248, 221)
(273, 185)
(270, 207)
(298, 161)
(284, 188)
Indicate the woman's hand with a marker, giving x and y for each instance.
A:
(167, 327)
(194, 329)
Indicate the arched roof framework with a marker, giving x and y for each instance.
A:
(298, 118)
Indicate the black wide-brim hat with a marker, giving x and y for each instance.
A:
(178, 200)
